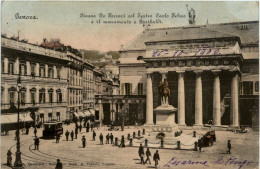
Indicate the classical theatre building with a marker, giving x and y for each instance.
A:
(212, 71)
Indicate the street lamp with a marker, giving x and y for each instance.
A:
(18, 160)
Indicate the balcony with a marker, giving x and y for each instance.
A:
(36, 105)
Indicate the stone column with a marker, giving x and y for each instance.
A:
(234, 116)
(28, 68)
(46, 70)
(5, 94)
(55, 71)
(37, 95)
(216, 100)
(181, 99)
(37, 69)
(16, 66)
(6, 65)
(198, 100)
(149, 100)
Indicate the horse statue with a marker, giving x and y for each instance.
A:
(164, 91)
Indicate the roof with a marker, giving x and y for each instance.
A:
(246, 31)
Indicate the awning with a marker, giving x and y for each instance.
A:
(12, 118)
(92, 111)
(81, 114)
(76, 114)
(88, 113)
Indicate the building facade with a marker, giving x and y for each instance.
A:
(43, 74)
(205, 67)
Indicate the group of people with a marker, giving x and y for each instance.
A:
(156, 156)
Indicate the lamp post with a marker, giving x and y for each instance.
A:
(18, 160)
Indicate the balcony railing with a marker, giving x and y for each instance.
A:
(26, 105)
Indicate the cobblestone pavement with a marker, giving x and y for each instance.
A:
(72, 155)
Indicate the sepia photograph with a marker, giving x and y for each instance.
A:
(129, 84)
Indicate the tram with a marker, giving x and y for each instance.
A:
(51, 129)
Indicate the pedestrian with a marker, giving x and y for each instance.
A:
(35, 132)
(87, 128)
(72, 135)
(76, 132)
(57, 138)
(9, 158)
(148, 154)
(83, 141)
(229, 147)
(67, 135)
(199, 144)
(94, 135)
(36, 143)
(122, 144)
(101, 139)
(112, 138)
(80, 128)
(92, 126)
(156, 158)
(58, 165)
(107, 138)
(141, 153)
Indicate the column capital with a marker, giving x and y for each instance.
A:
(216, 72)
(198, 72)
(180, 72)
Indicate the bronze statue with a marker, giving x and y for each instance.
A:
(192, 15)
(164, 90)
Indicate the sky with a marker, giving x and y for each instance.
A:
(62, 19)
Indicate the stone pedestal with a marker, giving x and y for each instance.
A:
(165, 118)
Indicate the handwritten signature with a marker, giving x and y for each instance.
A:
(220, 161)
(177, 53)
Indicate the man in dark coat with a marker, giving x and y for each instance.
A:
(57, 138)
(76, 132)
(94, 135)
(141, 153)
(72, 135)
(36, 143)
(229, 147)
(107, 138)
(112, 138)
(156, 158)
(101, 139)
(58, 165)
(83, 141)
(35, 132)
(199, 144)
(148, 154)
(67, 135)
(122, 144)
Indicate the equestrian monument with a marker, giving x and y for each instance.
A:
(165, 113)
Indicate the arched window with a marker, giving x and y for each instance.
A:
(50, 91)
(140, 58)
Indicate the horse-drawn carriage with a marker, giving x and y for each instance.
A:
(208, 139)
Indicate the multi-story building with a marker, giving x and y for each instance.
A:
(43, 75)
(203, 65)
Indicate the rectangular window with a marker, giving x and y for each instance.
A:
(50, 116)
(50, 97)
(33, 98)
(58, 73)
(257, 86)
(58, 116)
(128, 88)
(11, 97)
(247, 88)
(42, 72)
(3, 66)
(140, 88)
(59, 97)
(42, 98)
(22, 98)
(22, 69)
(11, 68)
(50, 72)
